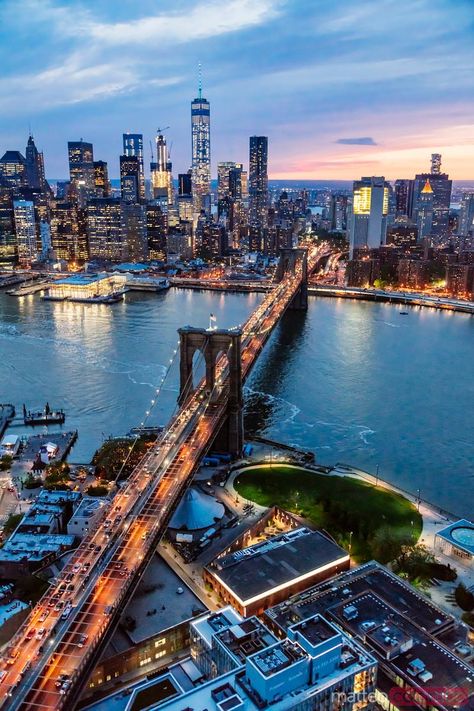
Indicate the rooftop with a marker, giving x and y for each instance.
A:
(392, 619)
(253, 572)
(33, 546)
(459, 534)
(158, 592)
(245, 638)
(88, 507)
(369, 577)
(315, 630)
(274, 659)
(83, 279)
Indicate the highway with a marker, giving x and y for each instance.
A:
(46, 661)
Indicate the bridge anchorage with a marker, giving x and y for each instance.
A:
(291, 260)
(215, 346)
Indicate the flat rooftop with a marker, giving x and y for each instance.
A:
(82, 279)
(369, 577)
(459, 534)
(158, 591)
(87, 507)
(394, 637)
(245, 638)
(282, 655)
(33, 546)
(315, 630)
(255, 571)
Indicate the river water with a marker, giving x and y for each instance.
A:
(355, 382)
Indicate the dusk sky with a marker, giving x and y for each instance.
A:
(342, 88)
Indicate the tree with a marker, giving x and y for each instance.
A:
(5, 462)
(464, 598)
(388, 543)
(11, 523)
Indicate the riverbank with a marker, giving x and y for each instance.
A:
(392, 297)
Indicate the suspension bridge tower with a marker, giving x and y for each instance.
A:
(216, 347)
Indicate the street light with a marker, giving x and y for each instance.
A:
(377, 476)
(350, 542)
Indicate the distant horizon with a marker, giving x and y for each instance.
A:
(326, 182)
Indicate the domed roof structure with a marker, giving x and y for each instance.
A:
(196, 510)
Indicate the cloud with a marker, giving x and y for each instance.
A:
(364, 141)
(205, 20)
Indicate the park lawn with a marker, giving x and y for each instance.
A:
(334, 503)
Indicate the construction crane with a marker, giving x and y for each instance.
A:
(151, 149)
(162, 130)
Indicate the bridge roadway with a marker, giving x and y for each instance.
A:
(71, 621)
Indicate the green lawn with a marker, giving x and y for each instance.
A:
(380, 520)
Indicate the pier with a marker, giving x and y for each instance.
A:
(43, 417)
(7, 414)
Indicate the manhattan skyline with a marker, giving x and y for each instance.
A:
(360, 89)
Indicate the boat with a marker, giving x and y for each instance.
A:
(112, 298)
(403, 313)
(46, 416)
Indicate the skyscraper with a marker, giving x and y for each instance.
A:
(441, 186)
(258, 190)
(134, 232)
(161, 171)
(130, 178)
(368, 221)
(201, 150)
(35, 166)
(26, 232)
(403, 197)
(435, 163)
(104, 229)
(81, 169)
(424, 219)
(133, 148)
(101, 178)
(13, 169)
(68, 233)
(466, 215)
(7, 229)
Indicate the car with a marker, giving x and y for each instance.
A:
(62, 587)
(82, 640)
(43, 616)
(69, 577)
(65, 686)
(118, 508)
(61, 679)
(76, 568)
(25, 668)
(41, 633)
(70, 587)
(59, 606)
(86, 566)
(66, 611)
(31, 633)
(98, 549)
(13, 655)
(91, 546)
(179, 591)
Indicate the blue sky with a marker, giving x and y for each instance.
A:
(341, 87)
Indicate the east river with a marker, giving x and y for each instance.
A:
(356, 382)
